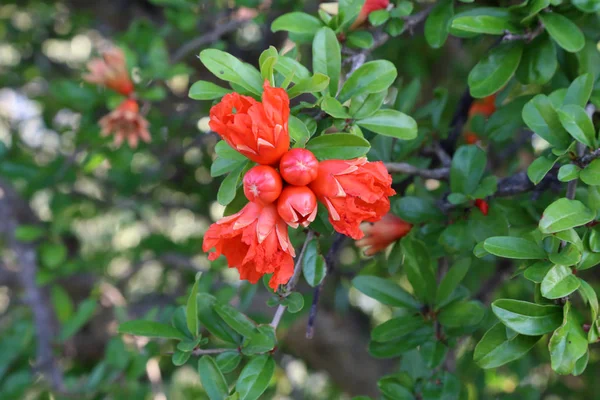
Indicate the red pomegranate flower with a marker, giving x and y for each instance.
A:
(126, 123)
(297, 205)
(368, 8)
(257, 130)
(110, 71)
(353, 191)
(299, 167)
(381, 234)
(255, 241)
(262, 184)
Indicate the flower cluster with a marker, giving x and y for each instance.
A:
(125, 122)
(283, 189)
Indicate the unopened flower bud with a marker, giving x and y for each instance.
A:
(297, 205)
(262, 184)
(299, 167)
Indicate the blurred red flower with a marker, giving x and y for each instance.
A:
(368, 8)
(381, 234)
(110, 71)
(125, 122)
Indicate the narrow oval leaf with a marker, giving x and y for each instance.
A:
(567, 344)
(327, 58)
(371, 77)
(580, 90)
(212, 379)
(565, 214)
(150, 329)
(451, 280)
(385, 291)
(576, 121)
(297, 22)
(438, 23)
(341, 146)
(495, 69)
(461, 314)
(212, 321)
(235, 319)
(513, 247)
(313, 264)
(559, 282)
(203, 90)
(396, 328)
(255, 377)
(496, 348)
(417, 265)
(591, 174)
(391, 123)
(228, 361)
(527, 318)
(538, 169)
(225, 66)
(468, 166)
(541, 117)
(538, 63)
(191, 310)
(563, 31)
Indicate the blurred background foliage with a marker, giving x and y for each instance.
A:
(118, 232)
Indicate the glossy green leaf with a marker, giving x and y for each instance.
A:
(590, 297)
(341, 146)
(396, 328)
(417, 210)
(527, 318)
(576, 121)
(568, 256)
(85, 311)
(212, 379)
(229, 186)
(313, 264)
(591, 174)
(496, 348)
(451, 280)
(559, 282)
(371, 77)
(541, 117)
(538, 169)
(399, 346)
(327, 58)
(391, 123)
(235, 319)
(228, 68)
(538, 63)
(334, 108)
(203, 90)
(567, 344)
(513, 247)
(538, 271)
(146, 328)
(565, 214)
(468, 166)
(228, 361)
(418, 268)
(255, 377)
(563, 31)
(298, 131)
(212, 321)
(297, 22)
(579, 91)
(437, 25)
(461, 314)
(568, 172)
(385, 291)
(495, 69)
(261, 340)
(191, 310)
(492, 21)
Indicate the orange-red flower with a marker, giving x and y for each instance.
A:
(382, 233)
(297, 205)
(368, 8)
(471, 138)
(483, 206)
(485, 106)
(262, 184)
(353, 191)
(257, 130)
(110, 71)
(255, 241)
(299, 167)
(126, 123)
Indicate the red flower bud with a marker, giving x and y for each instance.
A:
(482, 205)
(471, 138)
(262, 184)
(485, 106)
(297, 205)
(299, 167)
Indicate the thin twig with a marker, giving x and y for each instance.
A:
(293, 280)
(405, 168)
(201, 352)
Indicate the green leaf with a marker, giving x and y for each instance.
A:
(587, 6)
(228, 361)
(506, 120)
(461, 314)
(576, 121)
(527, 318)
(396, 328)
(212, 321)
(359, 39)
(146, 328)
(341, 146)
(533, 9)
(568, 256)
(579, 91)
(189, 345)
(62, 303)
(433, 353)
(313, 264)
(495, 69)
(235, 319)
(327, 58)
(294, 302)
(417, 265)
(468, 166)
(203, 90)
(228, 68)
(291, 69)
(489, 20)
(229, 186)
(541, 117)
(407, 96)
(438, 23)
(316, 83)
(565, 214)
(568, 172)
(255, 377)
(451, 280)
(559, 282)
(180, 357)
(538, 169)
(417, 210)
(384, 291)
(590, 297)
(496, 348)
(262, 340)
(513, 247)
(391, 123)
(212, 379)
(297, 22)
(398, 346)
(298, 131)
(334, 108)
(538, 63)
(566, 33)
(29, 233)
(392, 389)
(538, 271)
(591, 174)
(52, 255)
(567, 344)
(379, 17)
(191, 310)
(371, 77)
